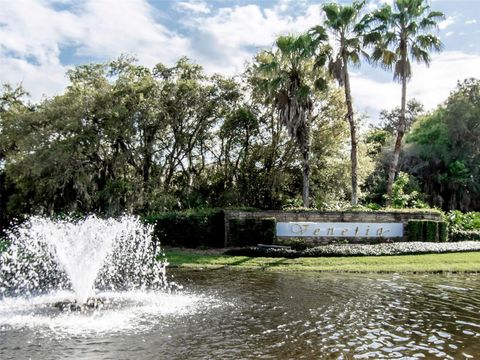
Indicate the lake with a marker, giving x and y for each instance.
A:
(230, 314)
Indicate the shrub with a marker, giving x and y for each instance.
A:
(294, 243)
(400, 248)
(245, 232)
(431, 231)
(463, 221)
(193, 228)
(427, 230)
(415, 230)
(443, 231)
(465, 235)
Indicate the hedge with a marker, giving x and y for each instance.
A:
(199, 228)
(246, 232)
(206, 228)
(465, 235)
(427, 230)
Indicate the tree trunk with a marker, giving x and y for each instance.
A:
(306, 167)
(398, 143)
(353, 133)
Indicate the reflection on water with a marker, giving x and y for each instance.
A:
(234, 315)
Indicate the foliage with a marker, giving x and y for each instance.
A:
(347, 27)
(245, 232)
(287, 78)
(463, 221)
(390, 120)
(126, 138)
(401, 34)
(464, 235)
(403, 198)
(385, 249)
(443, 151)
(200, 228)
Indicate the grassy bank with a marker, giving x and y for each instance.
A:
(452, 262)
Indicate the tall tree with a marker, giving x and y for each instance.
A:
(285, 75)
(403, 33)
(348, 28)
(443, 150)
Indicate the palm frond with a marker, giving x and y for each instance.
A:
(419, 54)
(428, 42)
(436, 15)
(285, 43)
(331, 11)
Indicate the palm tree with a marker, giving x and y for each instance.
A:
(348, 28)
(287, 77)
(403, 33)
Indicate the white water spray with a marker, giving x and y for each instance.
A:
(83, 255)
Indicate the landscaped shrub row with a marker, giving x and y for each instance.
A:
(463, 226)
(465, 235)
(246, 232)
(400, 248)
(199, 228)
(427, 230)
(206, 228)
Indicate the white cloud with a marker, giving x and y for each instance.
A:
(450, 20)
(470, 22)
(449, 33)
(430, 85)
(113, 27)
(37, 79)
(33, 33)
(194, 6)
(228, 38)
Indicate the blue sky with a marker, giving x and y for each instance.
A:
(41, 39)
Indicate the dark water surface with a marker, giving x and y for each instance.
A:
(259, 315)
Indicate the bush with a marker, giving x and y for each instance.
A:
(463, 221)
(415, 230)
(431, 231)
(427, 230)
(193, 228)
(294, 243)
(443, 231)
(465, 235)
(246, 232)
(400, 248)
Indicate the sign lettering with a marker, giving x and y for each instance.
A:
(312, 229)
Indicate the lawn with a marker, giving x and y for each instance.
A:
(451, 262)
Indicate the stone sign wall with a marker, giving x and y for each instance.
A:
(323, 227)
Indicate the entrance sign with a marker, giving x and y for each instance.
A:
(339, 229)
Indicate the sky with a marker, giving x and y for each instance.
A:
(41, 39)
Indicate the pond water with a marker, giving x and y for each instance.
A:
(223, 314)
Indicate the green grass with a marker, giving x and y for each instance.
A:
(452, 262)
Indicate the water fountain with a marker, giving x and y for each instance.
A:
(82, 255)
(85, 277)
